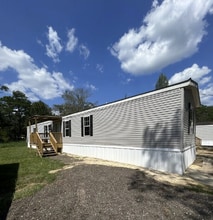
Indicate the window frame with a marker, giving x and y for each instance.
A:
(191, 119)
(87, 126)
(67, 128)
(45, 131)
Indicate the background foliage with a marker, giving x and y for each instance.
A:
(162, 82)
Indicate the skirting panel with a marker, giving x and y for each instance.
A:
(167, 160)
(28, 144)
(33, 146)
(207, 142)
(189, 155)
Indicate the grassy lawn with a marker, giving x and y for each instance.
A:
(22, 172)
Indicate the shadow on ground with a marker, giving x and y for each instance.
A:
(8, 177)
(202, 168)
(173, 195)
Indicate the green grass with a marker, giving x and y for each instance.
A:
(200, 188)
(22, 171)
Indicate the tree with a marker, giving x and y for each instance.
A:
(21, 111)
(14, 111)
(4, 88)
(40, 108)
(162, 82)
(204, 114)
(74, 101)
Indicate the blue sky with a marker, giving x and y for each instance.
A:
(114, 48)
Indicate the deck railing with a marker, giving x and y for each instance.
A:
(36, 139)
(41, 139)
(53, 142)
(56, 140)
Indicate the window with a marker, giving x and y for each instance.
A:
(45, 131)
(191, 119)
(87, 126)
(67, 128)
(50, 128)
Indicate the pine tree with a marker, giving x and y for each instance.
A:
(162, 82)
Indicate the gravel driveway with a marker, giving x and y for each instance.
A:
(107, 192)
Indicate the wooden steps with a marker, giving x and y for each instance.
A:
(47, 145)
(48, 150)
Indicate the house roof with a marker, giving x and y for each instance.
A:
(41, 118)
(195, 92)
(190, 84)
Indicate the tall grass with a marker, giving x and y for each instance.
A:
(32, 171)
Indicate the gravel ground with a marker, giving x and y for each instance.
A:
(106, 192)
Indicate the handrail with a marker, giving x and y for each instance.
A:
(58, 137)
(198, 141)
(56, 140)
(36, 139)
(53, 141)
(32, 138)
(39, 143)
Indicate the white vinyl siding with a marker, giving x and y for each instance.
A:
(189, 115)
(205, 133)
(152, 121)
(41, 128)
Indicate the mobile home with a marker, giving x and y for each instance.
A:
(204, 131)
(154, 130)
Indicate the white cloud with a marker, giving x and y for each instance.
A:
(170, 32)
(155, 3)
(126, 81)
(14, 58)
(39, 42)
(54, 47)
(90, 86)
(205, 80)
(211, 10)
(100, 68)
(84, 51)
(200, 75)
(194, 72)
(35, 82)
(72, 40)
(206, 95)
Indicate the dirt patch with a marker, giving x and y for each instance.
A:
(200, 173)
(95, 189)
